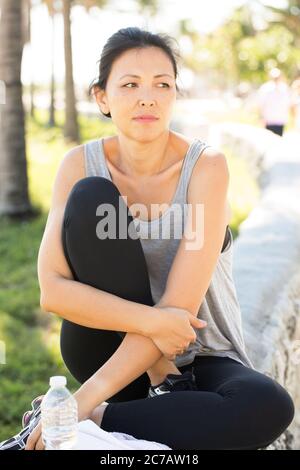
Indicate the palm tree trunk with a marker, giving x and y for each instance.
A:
(32, 93)
(14, 199)
(71, 131)
(51, 122)
(27, 39)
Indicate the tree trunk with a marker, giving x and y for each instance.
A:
(51, 122)
(71, 131)
(27, 39)
(14, 199)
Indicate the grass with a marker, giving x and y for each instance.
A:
(31, 337)
(243, 192)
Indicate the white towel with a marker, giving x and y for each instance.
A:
(92, 437)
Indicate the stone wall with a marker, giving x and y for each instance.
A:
(266, 266)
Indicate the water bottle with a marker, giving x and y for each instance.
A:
(59, 416)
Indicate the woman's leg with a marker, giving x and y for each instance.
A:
(117, 266)
(175, 418)
(235, 408)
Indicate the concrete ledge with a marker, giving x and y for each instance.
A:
(266, 265)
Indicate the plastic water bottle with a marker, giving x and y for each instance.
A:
(59, 416)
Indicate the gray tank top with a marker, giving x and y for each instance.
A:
(223, 335)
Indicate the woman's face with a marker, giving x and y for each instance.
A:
(126, 96)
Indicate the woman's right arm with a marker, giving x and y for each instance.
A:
(68, 298)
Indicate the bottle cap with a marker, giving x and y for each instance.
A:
(57, 381)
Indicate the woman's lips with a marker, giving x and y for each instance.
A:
(145, 119)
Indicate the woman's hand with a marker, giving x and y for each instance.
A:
(173, 331)
(34, 440)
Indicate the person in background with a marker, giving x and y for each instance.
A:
(275, 101)
(296, 104)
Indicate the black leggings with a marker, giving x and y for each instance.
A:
(276, 128)
(235, 407)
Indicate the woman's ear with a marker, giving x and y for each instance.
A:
(101, 100)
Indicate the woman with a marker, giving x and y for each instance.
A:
(130, 332)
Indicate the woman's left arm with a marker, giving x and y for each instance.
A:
(204, 233)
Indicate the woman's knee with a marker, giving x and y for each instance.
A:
(94, 184)
(273, 406)
(87, 193)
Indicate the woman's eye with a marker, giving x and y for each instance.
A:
(132, 83)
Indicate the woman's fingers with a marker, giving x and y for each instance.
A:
(34, 437)
(40, 445)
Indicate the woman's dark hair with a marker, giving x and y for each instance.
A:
(132, 38)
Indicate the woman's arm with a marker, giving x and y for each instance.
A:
(59, 292)
(124, 366)
(94, 308)
(208, 215)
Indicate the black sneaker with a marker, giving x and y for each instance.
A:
(18, 442)
(174, 383)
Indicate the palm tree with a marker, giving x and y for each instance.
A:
(289, 16)
(51, 10)
(71, 128)
(14, 198)
(26, 26)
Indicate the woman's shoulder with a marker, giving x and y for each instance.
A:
(212, 163)
(72, 165)
(75, 155)
(212, 170)
(209, 152)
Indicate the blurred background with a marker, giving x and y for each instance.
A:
(49, 53)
